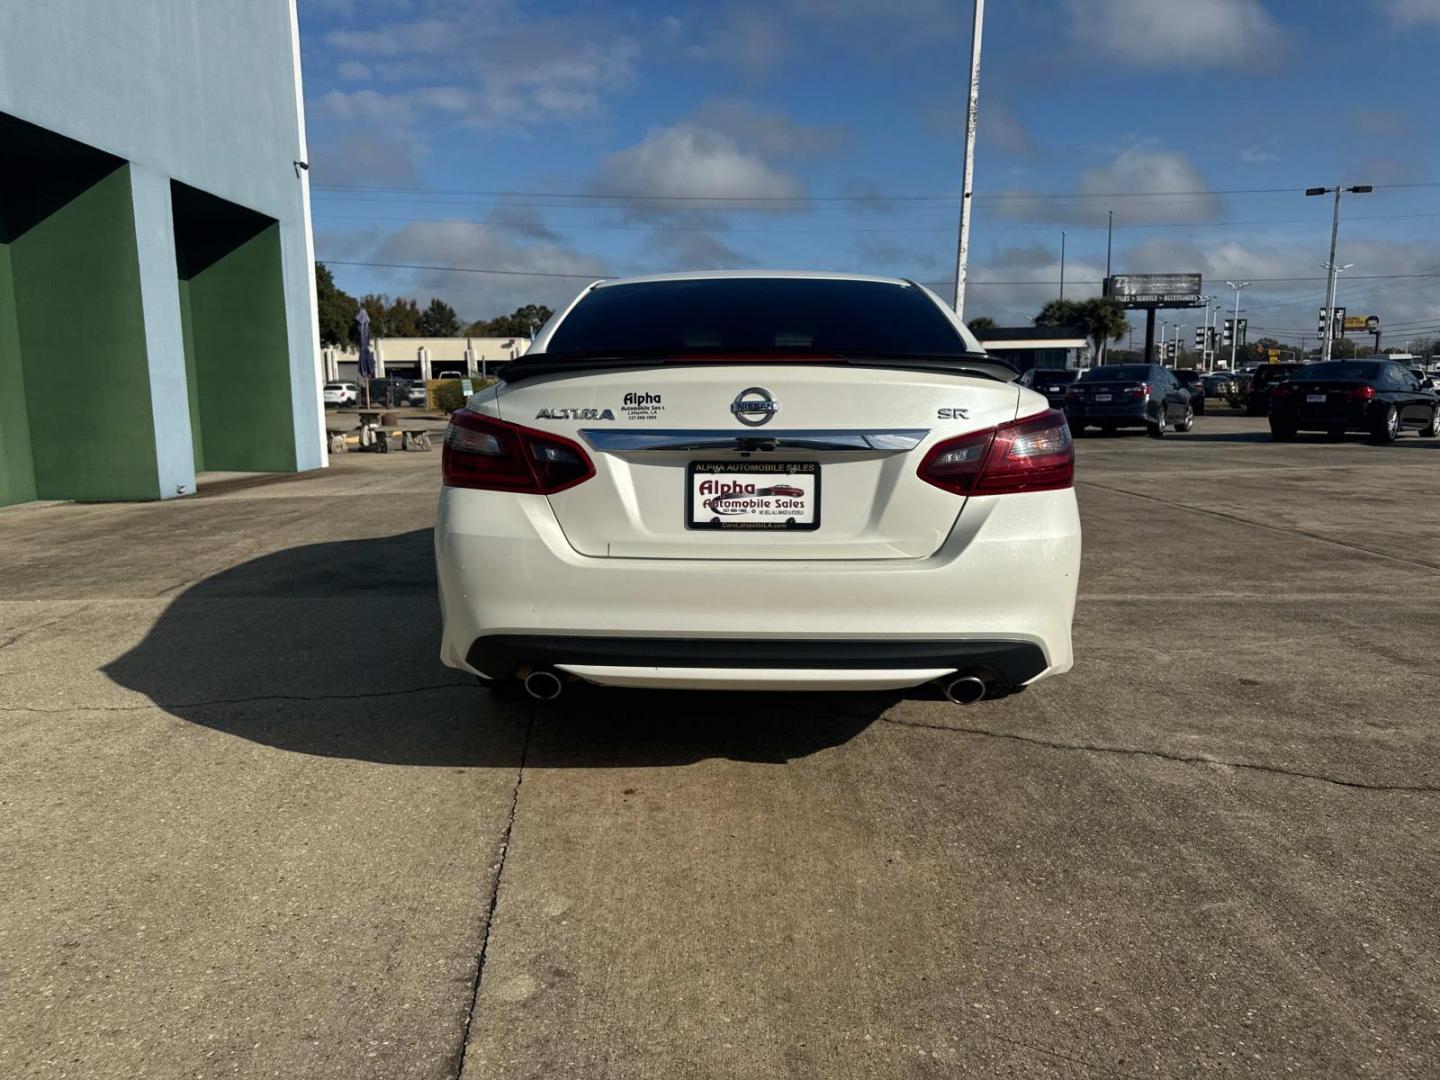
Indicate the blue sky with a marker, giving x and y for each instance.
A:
(562, 140)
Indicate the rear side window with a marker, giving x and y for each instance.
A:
(757, 315)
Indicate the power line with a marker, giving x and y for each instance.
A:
(592, 277)
(862, 200)
(532, 224)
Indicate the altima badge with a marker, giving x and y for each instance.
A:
(754, 406)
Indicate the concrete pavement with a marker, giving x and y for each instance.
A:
(248, 826)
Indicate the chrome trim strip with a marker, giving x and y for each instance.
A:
(628, 440)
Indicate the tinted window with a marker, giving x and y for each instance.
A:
(1188, 377)
(1340, 371)
(1272, 373)
(758, 314)
(1054, 375)
(1118, 373)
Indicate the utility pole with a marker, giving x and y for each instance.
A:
(1109, 236)
(1235, 323)
(1062, 264)
(962, 252)
(1328, 332)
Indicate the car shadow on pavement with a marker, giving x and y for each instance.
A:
(333, 649)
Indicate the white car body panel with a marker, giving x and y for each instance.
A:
(896, 559)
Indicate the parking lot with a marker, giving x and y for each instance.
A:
(249, 826)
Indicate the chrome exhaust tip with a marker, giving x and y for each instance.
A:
(544, 685)
(965, 689)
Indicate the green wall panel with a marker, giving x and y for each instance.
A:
(242, 358)
(192, 382)
(82, 346)
(17, 466)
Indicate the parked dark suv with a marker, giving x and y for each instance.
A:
(1378, 397)
(1257, 398)
(1052, 382)
(1129, 395)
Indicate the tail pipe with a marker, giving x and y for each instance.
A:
(964, 689)
(543, 684)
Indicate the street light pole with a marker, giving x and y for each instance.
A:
(1235, 323)
(1328, 332)
(1062, 264)
(962, 251)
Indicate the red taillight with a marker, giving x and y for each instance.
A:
(481, 452)
(1141, 391)
(1033, 454)
(1361, 393)
(1281, 389)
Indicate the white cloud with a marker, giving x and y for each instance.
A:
(366, 157)
(485, 69)
(1412, 12)
(353, 71)
(769, 133)
(687, 160)
(474, 296)
(755, 40)
(1195, 34)
(1142, 184)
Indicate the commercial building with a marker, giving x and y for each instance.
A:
(426, 358)
(1025, 347)
(157, 298)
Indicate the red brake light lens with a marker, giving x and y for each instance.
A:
(1033, 454)
(1362, 393)
(1141, 391)
(490, 455)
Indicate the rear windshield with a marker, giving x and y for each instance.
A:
(1274, 372)
(1055, 375)
(757, 314)
(1339, 371)
(1117, 373)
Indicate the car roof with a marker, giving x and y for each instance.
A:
(744, 275)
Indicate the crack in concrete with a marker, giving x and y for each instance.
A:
(168, 705)
(21, 635)
(484, 953)
(1163, 755)
(1289, 530)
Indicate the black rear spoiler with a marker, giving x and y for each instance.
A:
(536, 365)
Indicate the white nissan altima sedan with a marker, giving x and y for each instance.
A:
(758, 481)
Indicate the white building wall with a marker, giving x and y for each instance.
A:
(206, 92)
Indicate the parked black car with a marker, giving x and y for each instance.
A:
(1129, 395)
(1257, 397)
(1191, 380)
(1378, 397)
(1052, 382)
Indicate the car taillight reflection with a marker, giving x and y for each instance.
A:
(1033, 454)
(487, 454)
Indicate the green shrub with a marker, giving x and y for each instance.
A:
(448, 394)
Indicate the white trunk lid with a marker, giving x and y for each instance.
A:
(841, 446)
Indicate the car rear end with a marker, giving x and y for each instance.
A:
(335, 395)
(1334, 396)
(1114, 396)
(1262, 382)
(1052, 383)
(801, 493)
(418, 394)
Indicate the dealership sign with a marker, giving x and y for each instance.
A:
(1155, 290)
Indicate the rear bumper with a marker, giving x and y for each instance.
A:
(1357, 417)
(1120, 414)
(998, 594)
(1007, 663)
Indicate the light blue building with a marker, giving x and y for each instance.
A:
(157, 298)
